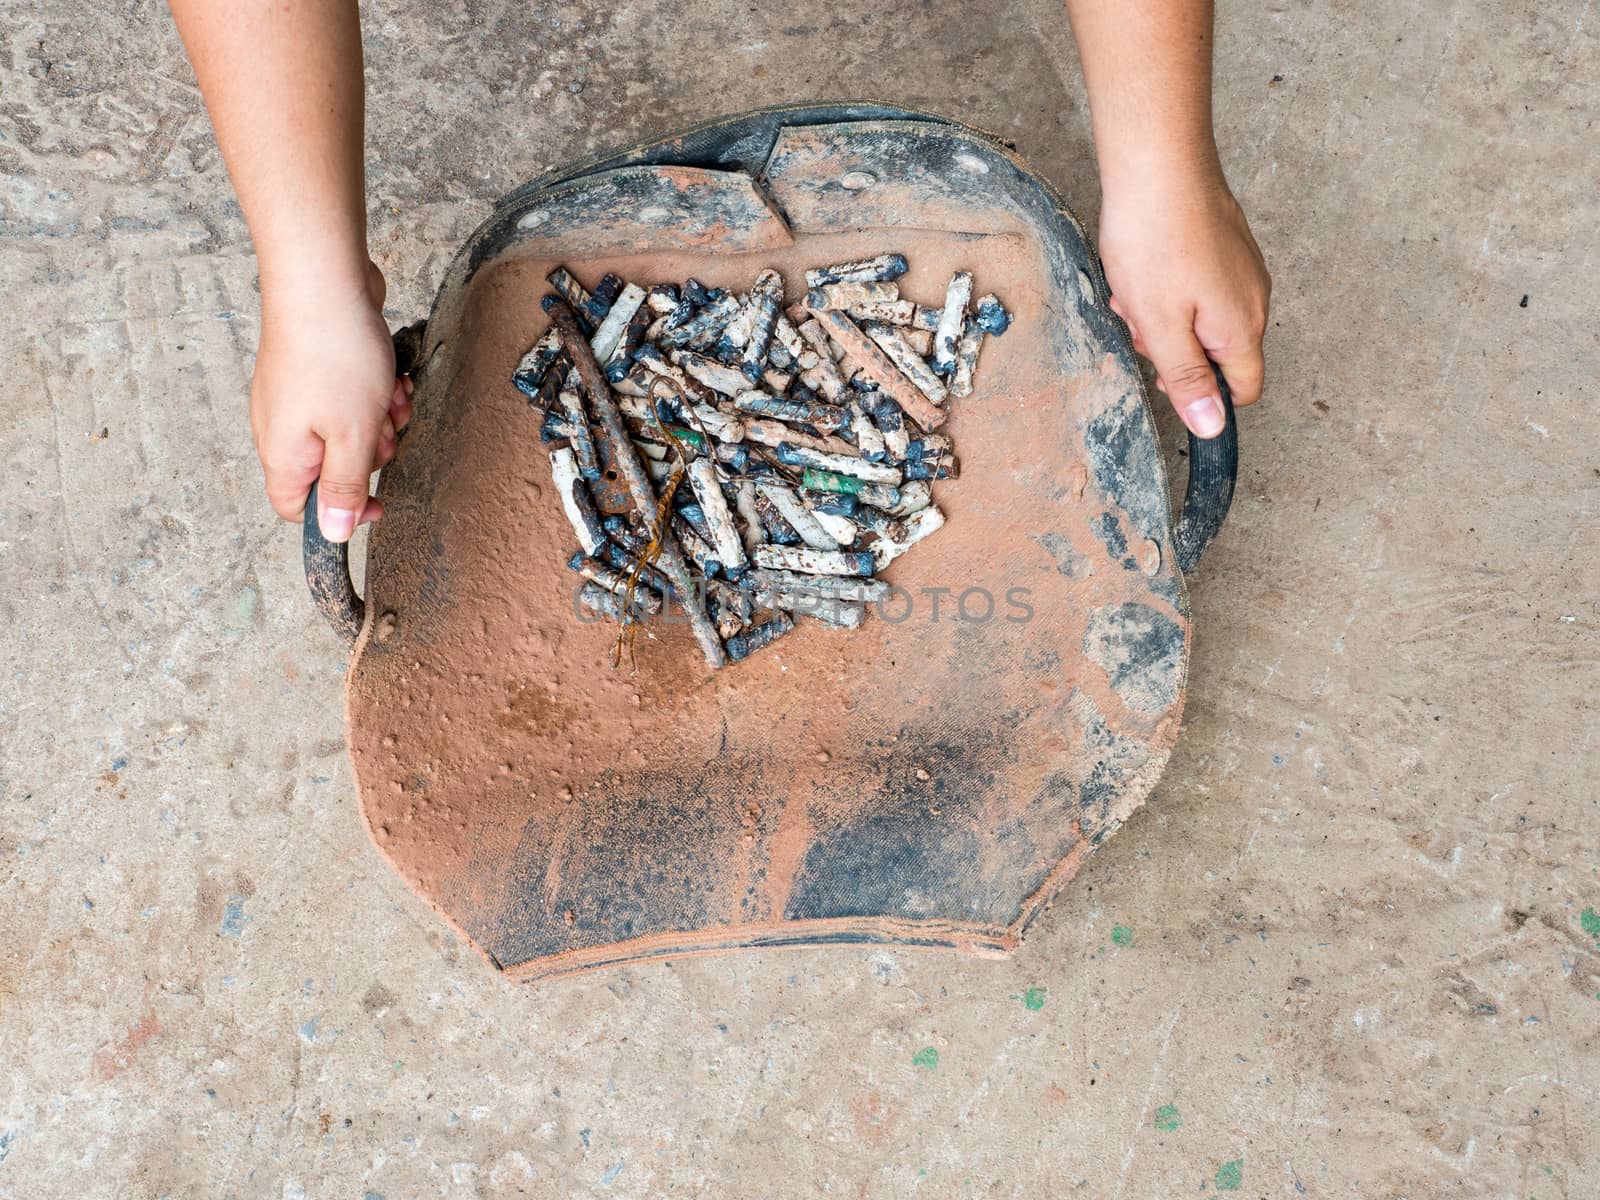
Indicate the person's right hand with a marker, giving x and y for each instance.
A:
(325, 403)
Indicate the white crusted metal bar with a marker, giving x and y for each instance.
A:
(609, 336)
(828, 418)
(582, 437)
(776, 433)
(918, 526)
(864, 270)
(645, 600)
(663, 299)
(951, 319)
(890, 312)
(635, 383)
(536, 362)
(789, 337)
(708, 322)
(825, 373)
(830, 610)
(799, 517)
(758, 637)
(841, 587)
(573, 292)
(725, 540)
(651, 450)
(744, 502)
(966, 359)
(710, 372)
(869, 439)
(575, 501)
(841, 529)
(737, 331)
(915, 495)
(766, 294)
(843, 295)
(650, 359)
(813, 562)
(888, 339)
(719, 424)
(844, 464)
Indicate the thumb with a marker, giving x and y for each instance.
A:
(347, 461)
(1186, 375)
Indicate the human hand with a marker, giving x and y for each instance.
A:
(1188, 278)
(325, 402)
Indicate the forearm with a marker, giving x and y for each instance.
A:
(1147, 65)
(282, 80)
(1184, 271)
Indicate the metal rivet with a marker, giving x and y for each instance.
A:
(857, 181)
(537, 217)
(972, 163)
(1150, 557)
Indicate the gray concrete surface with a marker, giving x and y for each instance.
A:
(1352, 957)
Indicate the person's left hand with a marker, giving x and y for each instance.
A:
(1188, 278)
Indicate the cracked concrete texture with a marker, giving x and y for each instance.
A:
(1343, 951)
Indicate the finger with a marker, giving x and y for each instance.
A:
(342, 497)
(286, 491)
(1133, 332)
(377, 288)
(400, 402)
(388, 443)
(1245, 374)
(290, 470)
(1186, 376)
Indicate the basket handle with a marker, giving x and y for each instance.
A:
(1213, 468)
(327, 564)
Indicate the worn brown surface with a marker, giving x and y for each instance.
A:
(547, 803)
(1356, 958)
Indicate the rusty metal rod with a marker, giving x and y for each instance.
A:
(633, 473)
(879, 368)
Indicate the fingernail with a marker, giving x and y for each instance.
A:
(338, 524)
(405, 382)
(1204, 416)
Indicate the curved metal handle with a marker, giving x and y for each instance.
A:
(327, 564)
(1213, 467)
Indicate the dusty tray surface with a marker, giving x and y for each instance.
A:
(929, 780)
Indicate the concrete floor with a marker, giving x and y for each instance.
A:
(1353, 957)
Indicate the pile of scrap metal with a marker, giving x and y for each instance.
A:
(758, 462)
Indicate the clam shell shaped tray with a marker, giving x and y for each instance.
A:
(930, 779)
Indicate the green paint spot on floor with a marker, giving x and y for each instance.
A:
(243, 608)
(1230, 1176)
(926, 1057)
(1033, 998)
(1168, 1118)
(1590, 920)
(1122, 935)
